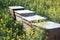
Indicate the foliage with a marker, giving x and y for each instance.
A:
(6, 3)
(14, 31)
(35, 34)
(8, 28)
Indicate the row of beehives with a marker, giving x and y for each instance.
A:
(28, 17)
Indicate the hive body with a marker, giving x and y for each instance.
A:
(52, 29)
(14, 8)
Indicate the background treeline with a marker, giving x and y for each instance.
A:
(47, 8)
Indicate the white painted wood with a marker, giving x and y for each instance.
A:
(18, 19)
(47, 25)
(15, 7)
(24, 12)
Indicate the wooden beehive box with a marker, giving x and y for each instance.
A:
(23, 13)
(52, 31)
(14, 8)
(32, 19)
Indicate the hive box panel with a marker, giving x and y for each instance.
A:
(27, 26)
(23, 13)
(53, 34)
(52, 29)
(18, 18)
(14, 8)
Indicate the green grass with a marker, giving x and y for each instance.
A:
(1, 38)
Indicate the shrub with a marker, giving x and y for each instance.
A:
(8, 28)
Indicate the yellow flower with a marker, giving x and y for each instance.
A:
(13, 39)
(4, 38)
(1, 28)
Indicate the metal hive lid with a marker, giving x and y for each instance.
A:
(48, 25)
(34, 17)
(23, 11)
(15, 7)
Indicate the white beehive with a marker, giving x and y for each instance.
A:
(23, 13)
(52, 29)
(31, 19)
(14, 8)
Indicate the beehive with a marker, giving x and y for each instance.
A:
(52, 29)
(31, 19)
(14, 8)
(23, 13)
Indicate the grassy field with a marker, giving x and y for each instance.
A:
(0, 37)
(14, 31)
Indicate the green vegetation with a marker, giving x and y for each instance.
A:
(47, 8)
(8, 28)
(14, 31)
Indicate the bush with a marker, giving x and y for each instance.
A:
(8, 28)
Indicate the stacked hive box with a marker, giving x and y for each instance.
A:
(52, 29)
(31, 19)
(14, 8)
(23, 13)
